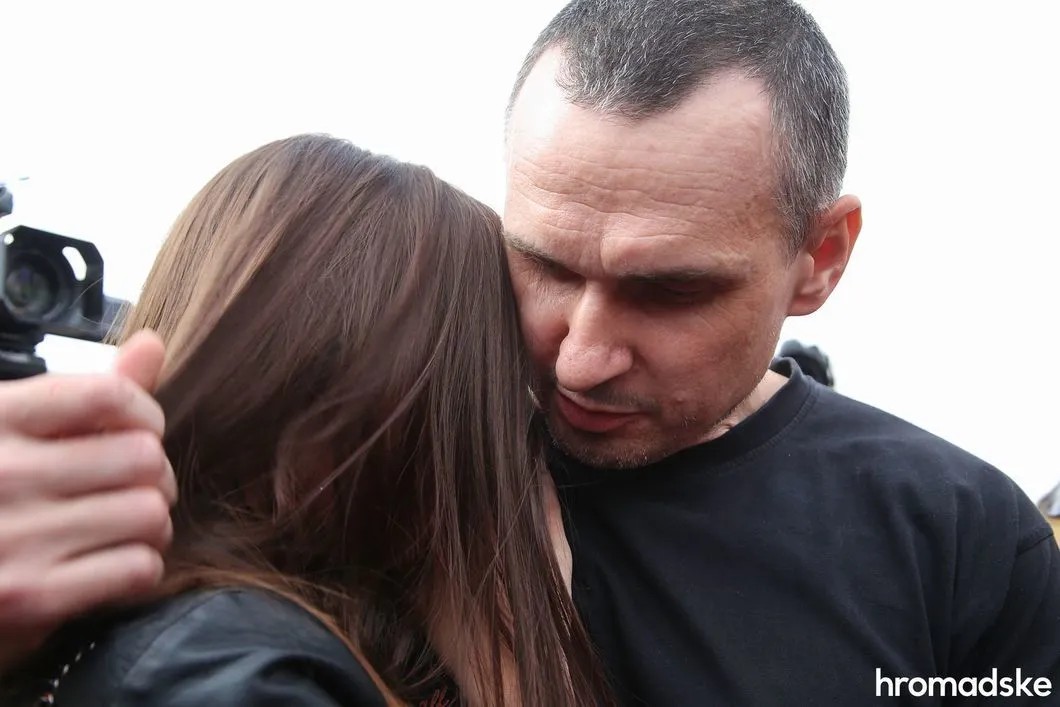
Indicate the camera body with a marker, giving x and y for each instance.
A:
(40, 294)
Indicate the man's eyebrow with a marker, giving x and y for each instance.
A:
(677, 275)
(524, 247)
(719, 275)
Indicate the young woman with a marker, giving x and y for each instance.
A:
(362, 514)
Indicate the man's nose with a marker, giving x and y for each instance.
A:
(592, 353)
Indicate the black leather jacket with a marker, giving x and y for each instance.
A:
(226, 647)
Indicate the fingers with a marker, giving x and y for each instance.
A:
(84, 465)
(91, 523)
(109, 576)
(59, 559)
(85, 491)
(140, 359)
(40, 535)
(54, 406)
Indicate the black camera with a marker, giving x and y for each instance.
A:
(43, 294)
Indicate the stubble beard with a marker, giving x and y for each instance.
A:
(608, 451)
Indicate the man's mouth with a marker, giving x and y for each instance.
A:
(591, 419)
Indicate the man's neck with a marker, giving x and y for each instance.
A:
(769, 386)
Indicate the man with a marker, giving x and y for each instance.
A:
(740, 535)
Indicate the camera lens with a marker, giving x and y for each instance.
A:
(31, 287)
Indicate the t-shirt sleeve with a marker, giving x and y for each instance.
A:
(1023, 634)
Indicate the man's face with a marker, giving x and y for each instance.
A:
(649, 263)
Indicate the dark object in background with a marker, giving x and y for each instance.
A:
(7, 201)
(811, 360)
(41, 294)
(1050, 503)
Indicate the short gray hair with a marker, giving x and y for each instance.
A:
(637, 58)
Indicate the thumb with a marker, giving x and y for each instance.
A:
(140, 359)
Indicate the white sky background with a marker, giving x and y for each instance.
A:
(119, 112)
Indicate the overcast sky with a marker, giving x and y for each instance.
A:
(119, 112)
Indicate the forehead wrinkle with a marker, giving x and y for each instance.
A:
(563, 187)
(588, 241)
(567, 245)
(624, 256)
(594, 197)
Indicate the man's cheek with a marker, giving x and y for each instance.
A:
(542, 354)
(541, 329)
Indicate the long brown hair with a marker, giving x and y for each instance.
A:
(347, 412)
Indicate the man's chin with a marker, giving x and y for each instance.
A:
(602, 450)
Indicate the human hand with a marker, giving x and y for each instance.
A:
(85, 492)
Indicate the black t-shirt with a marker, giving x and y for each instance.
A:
(816, 543)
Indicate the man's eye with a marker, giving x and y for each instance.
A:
(556, 272)
(678, 294)
(675, 293)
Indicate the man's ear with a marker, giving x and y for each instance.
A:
(825, 255)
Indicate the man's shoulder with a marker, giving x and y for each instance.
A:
(862, 432)
(901, 464)
(201, 647)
